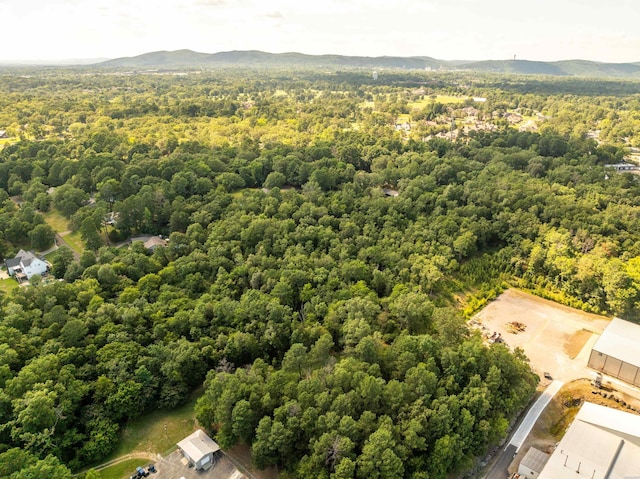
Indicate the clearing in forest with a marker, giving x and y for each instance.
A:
(554, 337)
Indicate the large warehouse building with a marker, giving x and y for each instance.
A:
(617, 351)
(601, 443)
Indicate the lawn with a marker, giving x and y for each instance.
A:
(58, 222)
(7, 141)
(8, 285)
(444, 99)
(75, 241)
(148, 433)
(122, 469)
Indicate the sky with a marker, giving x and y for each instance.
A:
(444, 29)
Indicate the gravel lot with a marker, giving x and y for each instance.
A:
(556, 339)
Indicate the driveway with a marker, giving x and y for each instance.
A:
(500, 468)
(171, 467)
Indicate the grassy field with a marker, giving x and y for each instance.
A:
(123, 469)
(8, 285)
(444, 99)
(7, 141)
(148, 433)
(58, 222)
(75, 241)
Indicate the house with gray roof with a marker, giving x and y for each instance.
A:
(25, 264)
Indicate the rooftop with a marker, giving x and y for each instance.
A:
(535, 459)
(601, 443)
(198, 445)
(23, 257)
(620, 340)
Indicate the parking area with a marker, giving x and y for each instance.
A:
(556, 339)
(171, 467)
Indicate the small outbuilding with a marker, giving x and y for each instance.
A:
(616, 353)
(199, 450)
(155, 241)
(533, 463)
(3, 134)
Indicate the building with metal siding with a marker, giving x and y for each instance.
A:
(617, 352)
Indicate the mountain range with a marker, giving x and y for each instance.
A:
(191, 59)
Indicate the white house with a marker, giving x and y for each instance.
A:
(25, 264)
(199, 449)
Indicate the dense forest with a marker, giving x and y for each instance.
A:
(329, 234)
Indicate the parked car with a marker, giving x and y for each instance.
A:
(548, 376)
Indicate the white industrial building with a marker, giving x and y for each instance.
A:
(601, 443)
(617, 352)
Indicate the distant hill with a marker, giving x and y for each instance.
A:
(191, 59)
(584, 68)
(182, 58)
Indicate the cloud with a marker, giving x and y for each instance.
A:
(274, 15)
(211, 3)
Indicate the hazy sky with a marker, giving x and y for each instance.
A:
(445, 29)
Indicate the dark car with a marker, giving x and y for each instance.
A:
(548, 376)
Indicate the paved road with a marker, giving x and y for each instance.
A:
(499, 470)
(61, 242)
(518, 438)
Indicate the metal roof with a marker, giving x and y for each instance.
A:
(198, 445)
(601, 443)
(535, 459)
(620, 340)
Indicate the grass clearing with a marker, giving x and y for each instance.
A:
(444, 99)
(9, 284)
(75, 241)
(58, 222)
(148, 433)
(122, 469)
(7, 141)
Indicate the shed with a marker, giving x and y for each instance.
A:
(532, 463)
(152, 243)
(3, 134)
(199, 449)
(616, 352)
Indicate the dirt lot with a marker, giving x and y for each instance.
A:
(557, 339)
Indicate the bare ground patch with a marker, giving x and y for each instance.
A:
(575, 342)
(241, 455)
(551, 335)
